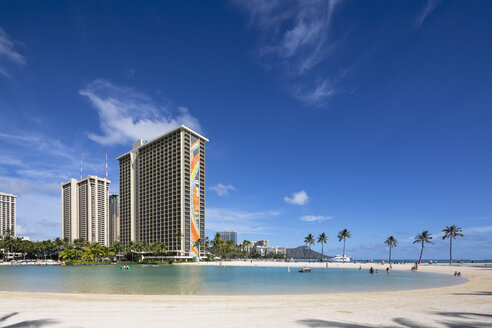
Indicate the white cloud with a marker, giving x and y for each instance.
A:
(297, 198)
(296, 35)
(313, 218)
(127, 115)
(14, 186)
(240, 221)
(478, 229)
(8, 52)
(7, 49)
(429, 7)
(222, 190)
(316, 94)
(37, 142)
(10, 160)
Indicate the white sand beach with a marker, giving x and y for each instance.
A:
(465, 305)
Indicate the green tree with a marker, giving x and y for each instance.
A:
(451, 232)
(343, 234)
(322, 239)
(309, 241)
(158, 248)
(423, 238)
(391, 242)
(118, 247)
(59, 244)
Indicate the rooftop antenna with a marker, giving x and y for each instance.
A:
(106, 165)
(80, 167)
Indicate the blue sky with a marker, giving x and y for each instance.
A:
(321, 115)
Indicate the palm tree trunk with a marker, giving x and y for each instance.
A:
(450, 250)
(343, 249)
(322, 252)
(389, 260)
(421, 251)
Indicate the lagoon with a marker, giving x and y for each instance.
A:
(212, 280)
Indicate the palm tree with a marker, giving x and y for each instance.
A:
(118, 247)
(451, 232)
(343, 234)
(309, 240)
(322, 239)
(423, 238)
(391, 242)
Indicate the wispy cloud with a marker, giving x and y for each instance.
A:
(47, 223)
(222, 190)
(8, 52)
(315, 94)
(38, 143)
(127, 115)
(428, 7)
(314, 218)
(14, 186)
(296, 35)
(297, 198)
(240, 221)
(7, 48)
(478, 229)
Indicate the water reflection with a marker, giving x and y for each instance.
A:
(190, 279)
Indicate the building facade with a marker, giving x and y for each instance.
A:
(85, 209)
(227, 235)
(7, 214)
(162, 192)
(114, 219)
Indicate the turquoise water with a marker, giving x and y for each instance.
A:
(211, 280)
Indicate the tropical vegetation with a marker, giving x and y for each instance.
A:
(451, 232)
(323, 240)
(422, 238)
(344, 234)
(391, 242)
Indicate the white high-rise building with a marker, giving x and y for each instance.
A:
(7, 214)
(85, 209)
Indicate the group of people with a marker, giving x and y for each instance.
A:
(457, 274)
(372, 270)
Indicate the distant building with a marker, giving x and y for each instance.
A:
(262, 243)
(7, 214)
(276, 250)
(114, 219)
(85, 209)
(227, 235)
(162, 192)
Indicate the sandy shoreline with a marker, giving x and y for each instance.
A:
(465, 305)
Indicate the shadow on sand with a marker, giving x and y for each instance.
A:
(447, 319)
(25, 323)
(481, 293)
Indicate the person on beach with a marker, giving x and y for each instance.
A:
(360, 267)
(371, 270)
(387, 270)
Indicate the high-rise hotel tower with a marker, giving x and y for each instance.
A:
(114, 219)
(85, 209)
(7, 214)
(162, 192)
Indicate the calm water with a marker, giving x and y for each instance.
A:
(178, 279)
